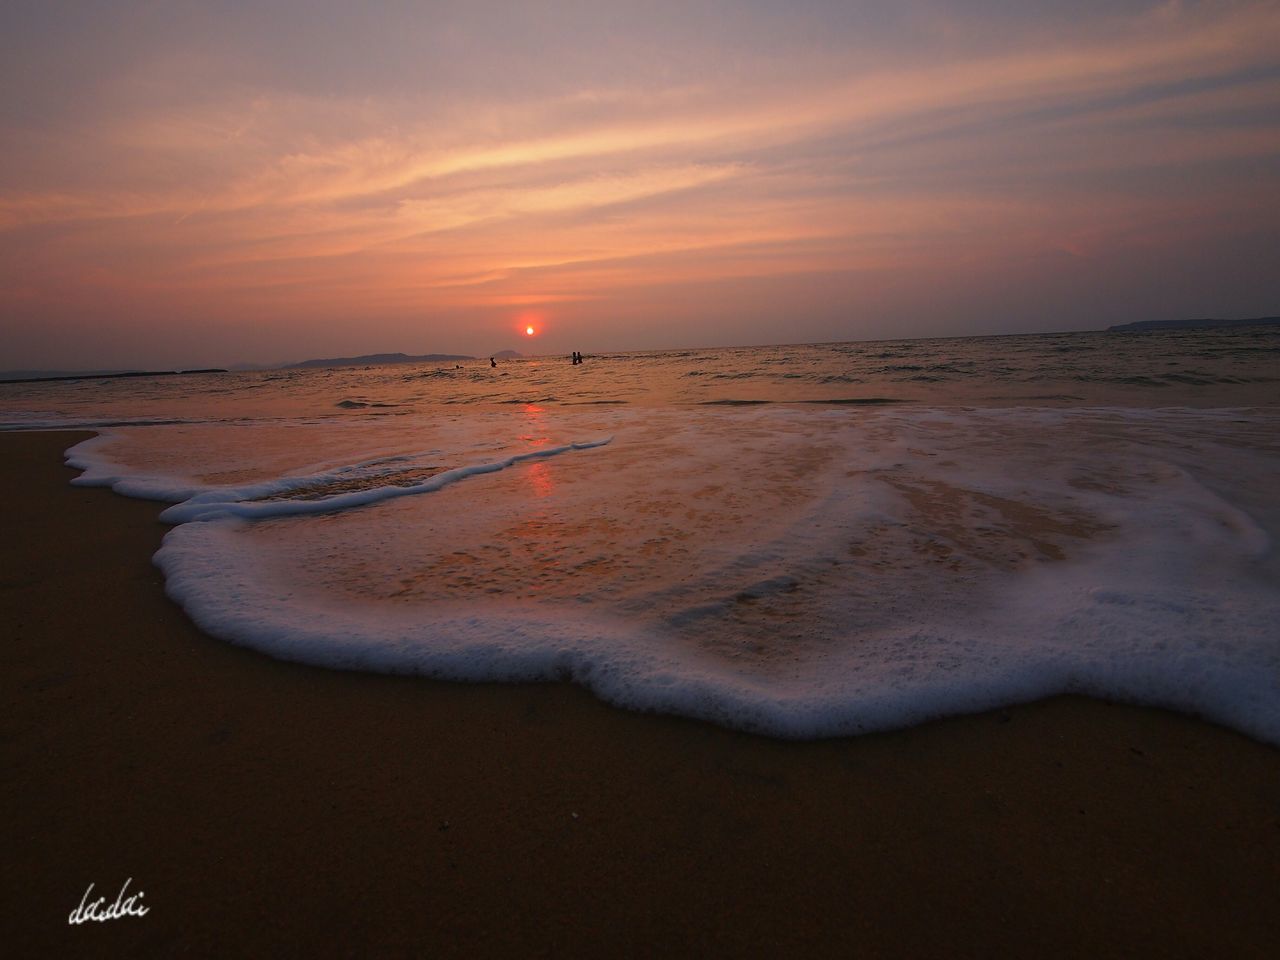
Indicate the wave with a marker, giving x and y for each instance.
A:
(776, 569)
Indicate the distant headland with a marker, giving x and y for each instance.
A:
(1205, 324)
(365, 360)
(377, 359)
(46, 376)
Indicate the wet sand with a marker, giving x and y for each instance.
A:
(267, 808)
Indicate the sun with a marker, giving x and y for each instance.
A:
(529, 323)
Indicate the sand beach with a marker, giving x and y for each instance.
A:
(268, 808)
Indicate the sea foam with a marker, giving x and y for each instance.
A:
(801, 572)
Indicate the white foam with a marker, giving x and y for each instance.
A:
(100, 470)
(797, 572)
(245, 502)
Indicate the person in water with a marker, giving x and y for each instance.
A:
(493, 362)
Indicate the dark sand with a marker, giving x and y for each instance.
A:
(269, 809)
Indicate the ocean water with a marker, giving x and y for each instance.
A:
(802, 541)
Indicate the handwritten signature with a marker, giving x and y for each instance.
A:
(96, 909)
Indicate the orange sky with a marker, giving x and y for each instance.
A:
(195, 186)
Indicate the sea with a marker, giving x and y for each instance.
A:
(802, 541)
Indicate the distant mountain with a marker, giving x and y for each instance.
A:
(377, 359)
(57, 374)
(41, 376)
(1205, 324)
(507, 355)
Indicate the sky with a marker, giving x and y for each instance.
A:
(195, 184)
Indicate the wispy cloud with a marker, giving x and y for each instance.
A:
(1081, 139)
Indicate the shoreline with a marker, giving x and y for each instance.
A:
(266, 806)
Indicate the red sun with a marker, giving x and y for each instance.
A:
(528, 331)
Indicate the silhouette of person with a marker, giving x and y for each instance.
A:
(493, 362)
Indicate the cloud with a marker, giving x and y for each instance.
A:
(719, 158)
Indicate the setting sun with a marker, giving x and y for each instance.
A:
(528, 331)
